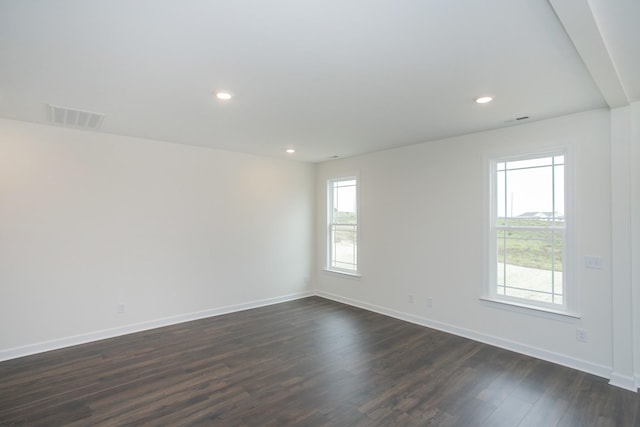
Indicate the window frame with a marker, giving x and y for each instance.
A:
(570, 290)
(330, 224)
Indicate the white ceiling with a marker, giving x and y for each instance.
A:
(326, 77)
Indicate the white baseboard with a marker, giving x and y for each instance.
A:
(623, 381)
(56, 344)
(560, 359)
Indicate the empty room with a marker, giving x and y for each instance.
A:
(320, 213)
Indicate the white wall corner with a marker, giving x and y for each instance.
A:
(622, 324)
(580, 24)
(635, 233)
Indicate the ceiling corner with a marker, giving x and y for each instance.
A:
(580, 24)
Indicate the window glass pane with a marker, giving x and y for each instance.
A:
(530, 248)
(529, 163)
(344, 202)
(501, 198)
(529, 196)
(500, 249)
(530, 264)
(558, 191)
(501, 245)
(345, 183)
(344, 246)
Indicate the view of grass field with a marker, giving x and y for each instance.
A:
(530, 243)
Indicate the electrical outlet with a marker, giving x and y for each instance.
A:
(410, 299)
(429, 302)
(122, 308)
(581, 335)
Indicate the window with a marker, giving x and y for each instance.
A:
(342, 253)
(528, 231)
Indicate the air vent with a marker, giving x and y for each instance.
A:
(517, 119)
(65, 116)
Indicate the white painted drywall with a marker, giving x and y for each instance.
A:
(422, 233)
(621, 240)
(635, 229)
(89, 220)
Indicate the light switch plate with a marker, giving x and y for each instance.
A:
(593, 262)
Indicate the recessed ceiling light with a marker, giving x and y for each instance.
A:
(290, 150)
(484, 99)
(224, 95)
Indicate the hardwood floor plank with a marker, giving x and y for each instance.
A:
(547, 411)
(310, 362)
(510, 413)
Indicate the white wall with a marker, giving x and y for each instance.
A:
(422, 233)
(635, 229)
(88, 220)
(622, 244)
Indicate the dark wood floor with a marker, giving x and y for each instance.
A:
(310, 362)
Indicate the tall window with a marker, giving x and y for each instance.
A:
(528, 231)
(342, 253)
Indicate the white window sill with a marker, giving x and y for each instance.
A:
(531, 309)
(343, 273)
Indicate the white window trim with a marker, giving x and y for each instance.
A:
(329, 193)
(571, 296)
